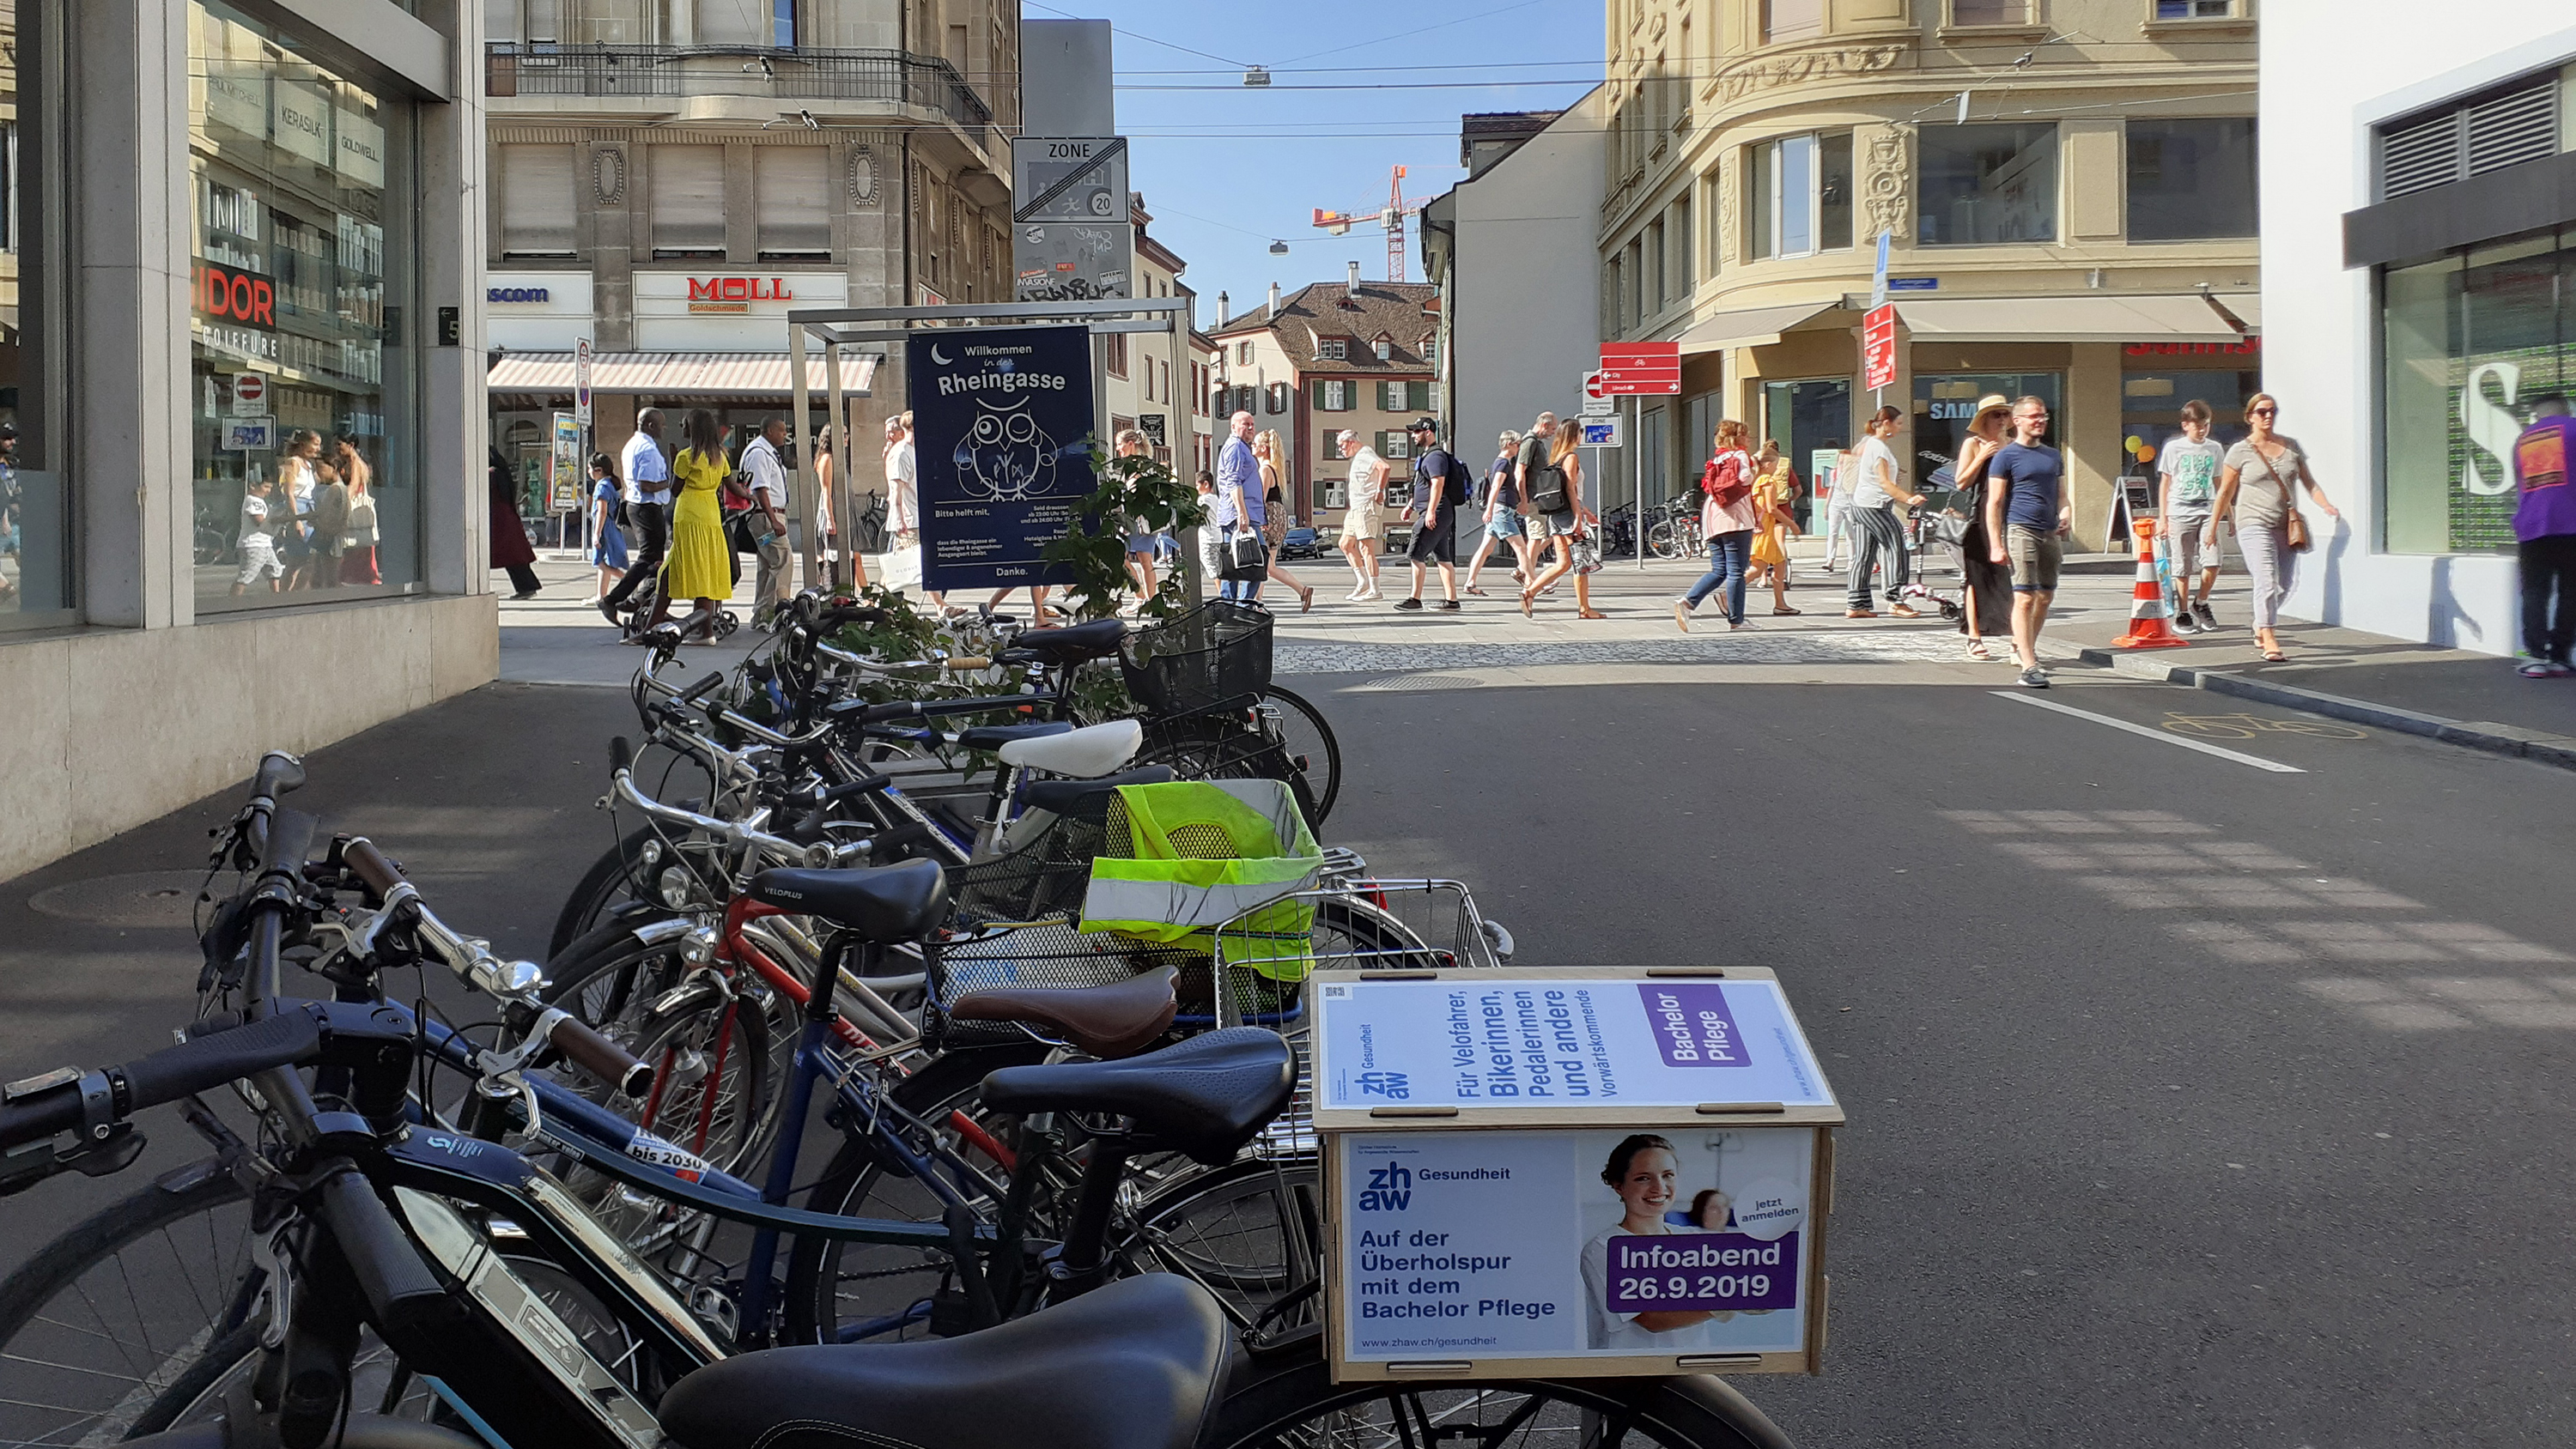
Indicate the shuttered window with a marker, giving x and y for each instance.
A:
(536, 201)
(688, 189)
(792, 191)
(1334, 395)
(2472, 138)
(1403, 397)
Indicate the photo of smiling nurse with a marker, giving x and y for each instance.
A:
(1641, 1170)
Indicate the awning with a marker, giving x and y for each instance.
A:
(1751, 327)
(679, 374)
(2081, 317)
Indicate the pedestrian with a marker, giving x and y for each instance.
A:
(1726, 519)
(773, 581)
(1364, 514)
(2544, 525)
(700, 566)
(1238, 501)
(330, 522)
(2028, 515)
(1132, 443)
(510, 549)
(1838, 499)
(850, 576)
(299, 479)
(2258, 488)
(1775, 518)
(1874, 482)
(1502, 515)
(1274, 517)
(1439, 489)
(1208, 532)
(903, 561)
(1985, 585)
(1552, 509)
(607, 538)
(647, 481)
(2188, 469)
(257, 546)
(357, 515)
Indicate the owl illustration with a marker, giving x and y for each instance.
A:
(1006, 456)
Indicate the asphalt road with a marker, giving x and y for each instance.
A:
(2192, 1103)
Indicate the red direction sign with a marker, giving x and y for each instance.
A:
(1632, 368)
(1878, 348)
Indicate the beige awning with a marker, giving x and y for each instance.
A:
(2083, 317)
(1751, 327)
(678, 374)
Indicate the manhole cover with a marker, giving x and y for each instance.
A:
(1423, 681)
(147, 899)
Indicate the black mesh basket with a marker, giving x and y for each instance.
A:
(1216, 652)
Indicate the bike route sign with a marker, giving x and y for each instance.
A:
(1001, 422)
(1570, 1172)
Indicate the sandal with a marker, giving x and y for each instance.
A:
(1529, 605)
(2275, 656)
(1784, 611)
(1473, 589)
(1306, 601)
(1977, 650)
(1592, 614)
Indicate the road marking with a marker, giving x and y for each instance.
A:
(2275, 766)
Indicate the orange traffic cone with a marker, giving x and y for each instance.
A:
(2148, 616)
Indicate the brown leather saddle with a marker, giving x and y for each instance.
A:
(1116, 1020)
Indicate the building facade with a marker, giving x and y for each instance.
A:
(672, 178)
(223, 284)
(2420, 266)
(1357, 356)
(1143, 391)
(2068, 188)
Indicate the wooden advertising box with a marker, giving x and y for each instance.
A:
(1571, 1171)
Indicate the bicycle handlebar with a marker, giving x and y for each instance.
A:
(279, 774)
(112, 1093)
(621, 755)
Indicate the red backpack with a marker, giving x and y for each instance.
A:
(1723, 480)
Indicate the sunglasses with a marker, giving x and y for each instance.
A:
(2263, 413)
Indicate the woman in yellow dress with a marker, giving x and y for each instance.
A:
(700, 566)
(1774, 486)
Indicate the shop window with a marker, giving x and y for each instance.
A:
(1944, 405)
(536, 201)
(688, 188)
(301, 390)
(2151, 401)
(791, 192)
(1801, 200)
(1986, 183)
(1786, 20)
(2191, 179)
(2472, 341)
(1811, 420)
(34, 552)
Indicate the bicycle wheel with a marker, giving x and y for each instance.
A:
(1310, 746)
(103, 1322)
(713, 1078)
(1209, 748)
(1664, 540)
(1250, 1232)
(1291, 1401)
(621, 874)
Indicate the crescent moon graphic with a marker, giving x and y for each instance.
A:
(935, 357)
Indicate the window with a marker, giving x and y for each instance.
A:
(536, 201)
(1243, 352)
(1801, 199)
(2471, 138)
(1115, 346)
(302, 251)
(34, 261)
(1335, 395)
(1333, 349)
(2191, 179)
(2195, 9)
(1404, 397)
(791, 191)
(1986, 183)
(1394, 445)
(1278, 399)
(1682, 244)
(1990, 12)
(1431, 349)
(688, 185)
(1384, 348)
(1652, 273)
(1784, 20)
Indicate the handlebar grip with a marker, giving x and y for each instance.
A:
(701, 689)
(279, 774)
(40, 1117)
(898, 709)
(404, 1298)
(967, 664)
(621, 754)
(290, 840)
(203, 1063)
(370, 866)
(601, 1057)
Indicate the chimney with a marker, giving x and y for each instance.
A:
(1274, 302)
(1224, 308)
(1353, 292)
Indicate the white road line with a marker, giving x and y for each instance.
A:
(2275, 766)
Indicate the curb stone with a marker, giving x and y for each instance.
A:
(2486, 735)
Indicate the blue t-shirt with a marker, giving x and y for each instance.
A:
(2036, 477)
(1434, 463)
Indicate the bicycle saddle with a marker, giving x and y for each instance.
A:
(1135, 1364)
(1071, 797)
(1096, 750)
(1074, 643)
(883, 903)
(1205, 1097)
(1116, 1020)
(993, 737)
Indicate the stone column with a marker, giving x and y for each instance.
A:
(2090, 434)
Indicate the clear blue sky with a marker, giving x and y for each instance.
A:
(1225, 168)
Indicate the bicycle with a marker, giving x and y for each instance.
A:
(2247, 726)
(1676, 535)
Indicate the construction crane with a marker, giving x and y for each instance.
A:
(1391, 216)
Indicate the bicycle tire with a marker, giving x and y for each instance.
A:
(618, 874)
(1204, 749)
(1286, 1397)
(1312, 748)
(1664, 541)
(55, 1335)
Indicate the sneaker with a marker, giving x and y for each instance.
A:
(2545, 669)
(1408, 604)
(1739, 624)
(1449, 606)
(2184, 623)
(2208, 616)
(2034, 678)
(608, 611)
(1367, 594)
(1681, 615)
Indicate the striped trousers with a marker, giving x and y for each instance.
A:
(1876, 534)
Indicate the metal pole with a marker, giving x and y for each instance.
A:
(844, 576)
(804, 452)
(1184, 428)
(1637, 470)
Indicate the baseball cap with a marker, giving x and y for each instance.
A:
(1422, 425)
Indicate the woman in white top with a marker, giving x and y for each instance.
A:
(1642, 1170)
(903, 512)
(1364, 520)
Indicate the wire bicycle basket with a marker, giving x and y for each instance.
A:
(1217, 652)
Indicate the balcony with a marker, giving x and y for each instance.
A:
(548, 68)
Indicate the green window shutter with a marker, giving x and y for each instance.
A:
(1417, 397)
(1319, 394)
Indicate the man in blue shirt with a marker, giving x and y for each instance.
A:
(648, 498)
(1238, 499)
(2027, 516)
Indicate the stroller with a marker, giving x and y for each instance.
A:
(646, 602)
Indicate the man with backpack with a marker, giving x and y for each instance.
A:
(1441, 486)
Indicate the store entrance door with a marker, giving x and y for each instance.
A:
(1806, 418)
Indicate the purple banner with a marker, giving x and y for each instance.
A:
(1702, 1272)
(1692, 1026)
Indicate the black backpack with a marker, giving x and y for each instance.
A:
(1462, 484)
(1547, 489)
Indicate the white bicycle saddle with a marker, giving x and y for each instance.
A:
(1102, 749)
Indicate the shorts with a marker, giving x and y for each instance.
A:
(258, 558)
(1543, 526)
(1436, 542)
(1364, 523)
(1140, 543)
(2191, 547)
(2035, 557)
(1505, 523)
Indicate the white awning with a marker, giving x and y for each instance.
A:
(1751, 327)
(680, 374)
(2080, 317)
